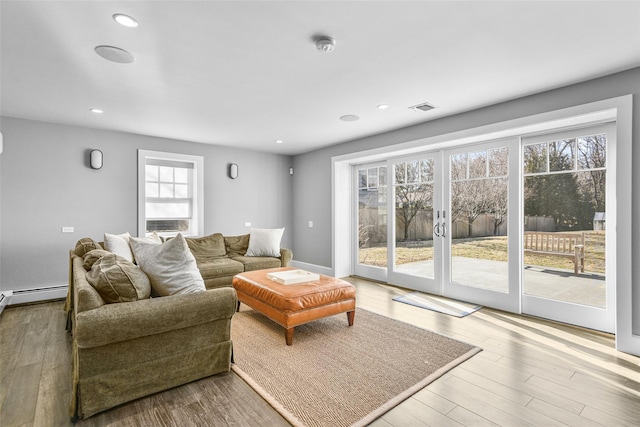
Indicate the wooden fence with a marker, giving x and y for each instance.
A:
(421, 227)
(373, 232)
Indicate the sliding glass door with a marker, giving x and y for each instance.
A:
(371, 221)
(568, 219)
(480, 217)
(449, 223)
(519, 224)
(415, 251)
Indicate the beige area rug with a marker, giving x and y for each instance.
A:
(336, 375)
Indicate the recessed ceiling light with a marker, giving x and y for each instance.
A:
(383, 106)
(349, 118)
(115, 54)
(125, 20)
(279, 141)
(96, 110)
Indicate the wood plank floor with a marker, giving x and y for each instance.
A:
(531, 373)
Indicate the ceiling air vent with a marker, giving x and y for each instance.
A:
(422, 107)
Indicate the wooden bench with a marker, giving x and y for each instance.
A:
(565, 245)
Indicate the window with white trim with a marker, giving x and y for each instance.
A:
(170, 193)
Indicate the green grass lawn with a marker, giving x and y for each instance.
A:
(492, 248)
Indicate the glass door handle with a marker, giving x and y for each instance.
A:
(436, 230)
(444, 225)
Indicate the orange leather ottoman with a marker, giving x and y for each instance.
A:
(293, 305)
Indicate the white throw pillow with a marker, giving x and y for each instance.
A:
(171, 267)
(265, 242)
(119, 244)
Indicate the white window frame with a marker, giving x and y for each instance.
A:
(197, 209)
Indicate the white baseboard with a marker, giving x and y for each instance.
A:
(5, 299)
(24, 296)
(327, 271)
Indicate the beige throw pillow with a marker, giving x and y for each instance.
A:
(118, 280)
(171, 267)
(265, 242)
(91, 257)
(85, 245)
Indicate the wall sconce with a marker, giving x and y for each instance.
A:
(96, 159)
(233, 170)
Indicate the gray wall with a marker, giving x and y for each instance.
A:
(312, 186)
(46, 184)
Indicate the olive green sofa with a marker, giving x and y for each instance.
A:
(126, 350)
(219, 258)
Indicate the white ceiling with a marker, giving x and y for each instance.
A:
(246, 73)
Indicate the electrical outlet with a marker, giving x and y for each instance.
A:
(67, 229)
(247, 224)
(310, 224)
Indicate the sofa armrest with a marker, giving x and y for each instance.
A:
(129, 320)
(286, 255)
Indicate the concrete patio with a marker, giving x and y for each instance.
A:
(562, 285)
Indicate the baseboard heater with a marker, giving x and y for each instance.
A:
(24, 296)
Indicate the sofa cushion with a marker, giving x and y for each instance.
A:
(118, 244)
(85, 245)
(171, 266)
(236, 245)
(118, 280)
(265, 242)
(91, 257)
(258, 262)
(219, 267)
(207, 247)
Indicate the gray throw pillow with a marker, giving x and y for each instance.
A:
(171, 266)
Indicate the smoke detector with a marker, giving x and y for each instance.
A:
(325, 44)
(425, 106)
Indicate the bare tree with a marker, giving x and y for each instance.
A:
(410, 200)
(592, 156)
(469, 200)
(414, 192)
(498, 202)
(479, 186)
